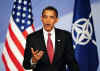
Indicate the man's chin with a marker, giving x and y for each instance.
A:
(48, 29)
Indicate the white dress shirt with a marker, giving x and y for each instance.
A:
(52, 32)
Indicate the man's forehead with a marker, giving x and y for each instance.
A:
(50, 12)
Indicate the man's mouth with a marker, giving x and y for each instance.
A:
(47, 24)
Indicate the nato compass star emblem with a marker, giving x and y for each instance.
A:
(82, 31)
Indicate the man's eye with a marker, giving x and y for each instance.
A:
(44, 16)
(52, 17)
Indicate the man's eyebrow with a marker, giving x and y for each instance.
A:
(52, 16)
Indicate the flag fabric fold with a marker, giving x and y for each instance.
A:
(20, 25)
(83, 35)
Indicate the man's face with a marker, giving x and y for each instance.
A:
(49, 19)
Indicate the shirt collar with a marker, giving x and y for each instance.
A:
(46, 33)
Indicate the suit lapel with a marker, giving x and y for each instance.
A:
(56, 49)
(43, 46)
(42, 40)
(58, 46)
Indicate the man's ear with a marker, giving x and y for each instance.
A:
(57, 20)
(41, 18)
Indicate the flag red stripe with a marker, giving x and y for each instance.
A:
(13, 58)
(16, 41)
(5, 63)
(33, 27)
(25, 34)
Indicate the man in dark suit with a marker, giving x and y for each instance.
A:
(49, 49)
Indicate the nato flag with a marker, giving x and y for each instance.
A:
(83, 35)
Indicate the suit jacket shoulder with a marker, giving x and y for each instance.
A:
(63, 33)
(35, 34)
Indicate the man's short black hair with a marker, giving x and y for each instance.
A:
(50, 8)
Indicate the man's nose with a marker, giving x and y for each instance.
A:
(48, 19)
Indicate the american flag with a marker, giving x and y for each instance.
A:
(20, 25)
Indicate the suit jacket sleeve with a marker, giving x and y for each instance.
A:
(27, 55)
(69, 55)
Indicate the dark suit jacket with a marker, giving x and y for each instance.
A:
(64, 53)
